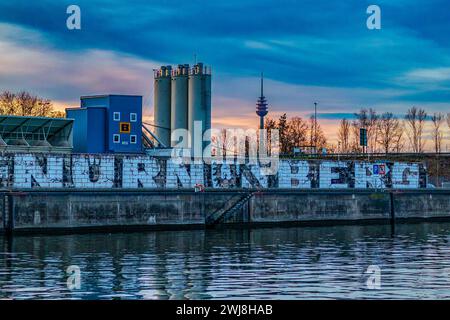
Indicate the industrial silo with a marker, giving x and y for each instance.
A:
(179, 100)
(162, 97)
(207, 97)
(199, 105)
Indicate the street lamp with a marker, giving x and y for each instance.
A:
(315, 126)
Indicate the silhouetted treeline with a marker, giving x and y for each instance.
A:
(388, 133)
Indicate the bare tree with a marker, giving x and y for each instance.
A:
(282, 127)
(269, 124)
(297, 133)
(25, 104)
(57, 114)
(448, 119)
(372, 130)
(226, 143)
(437, 119)
(316, 135)
(368, 119)
(399, 142)
(344, 135)
(390, 132)
(7, 102)
(354, 145)
(293, 132)
(415, 120)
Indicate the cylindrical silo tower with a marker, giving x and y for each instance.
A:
(207, 99)
(207, 96)
(179, 101)
(162, 105)
(199, 105)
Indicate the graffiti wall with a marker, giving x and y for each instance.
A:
(24, 171)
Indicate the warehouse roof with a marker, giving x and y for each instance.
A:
(35, 134)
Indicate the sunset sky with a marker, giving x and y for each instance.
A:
(309, 51)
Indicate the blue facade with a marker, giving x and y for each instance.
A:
(107, 124)
(90, 140)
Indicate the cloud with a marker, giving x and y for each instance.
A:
(309, 51)
(65, 76)
(319, 43)
(436, 74)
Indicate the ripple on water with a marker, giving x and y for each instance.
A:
(289, 263)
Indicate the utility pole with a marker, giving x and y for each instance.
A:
(339, 150)
(315, 126)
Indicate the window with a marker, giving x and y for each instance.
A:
(116, 138)
(125, 127)
(116, 116)
(133, 117)
(133, 139)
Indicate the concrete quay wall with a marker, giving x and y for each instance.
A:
(105, 210)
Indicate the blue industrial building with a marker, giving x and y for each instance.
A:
(107, 124)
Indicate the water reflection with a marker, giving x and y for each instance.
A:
(281, 263)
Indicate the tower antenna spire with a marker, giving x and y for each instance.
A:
(262, 84)
(261, 105)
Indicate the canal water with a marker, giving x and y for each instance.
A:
(345, 262)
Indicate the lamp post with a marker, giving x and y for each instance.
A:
(339, 150)
(315, 126)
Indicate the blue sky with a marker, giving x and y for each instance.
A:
(309, 51)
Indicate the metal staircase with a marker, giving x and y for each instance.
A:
(223, 215)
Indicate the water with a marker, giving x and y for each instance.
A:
(280, 263)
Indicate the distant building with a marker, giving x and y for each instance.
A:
(107, 124)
